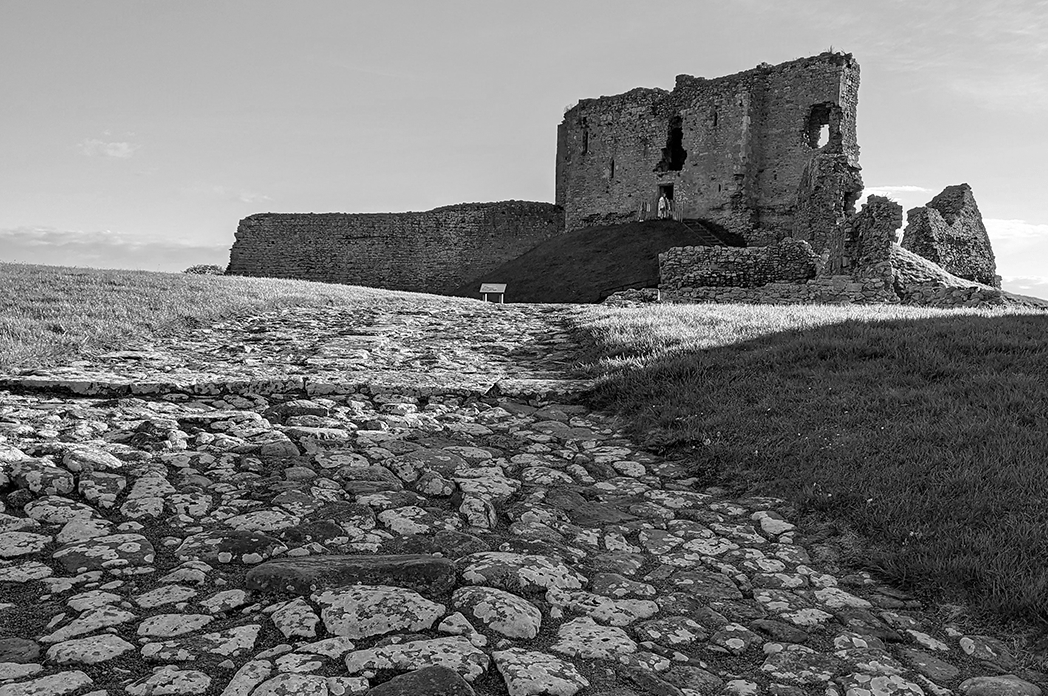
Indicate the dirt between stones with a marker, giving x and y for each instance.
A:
(325, 502)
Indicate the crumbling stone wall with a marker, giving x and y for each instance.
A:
(434, 251)
(949, 231)
(919, 281)
(747, 267)
(741, 151)
(867, 266)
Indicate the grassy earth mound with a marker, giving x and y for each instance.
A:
(587, 265)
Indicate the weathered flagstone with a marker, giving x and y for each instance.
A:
(425, 574)
(519, 572)
(860, 684)
(167, 594)
(250, 675)
(500, 611)
(90, 621)
(363, 611)
(55, 509)
(796, 664)
(613, 612)
(112, 552)
(587, 639)
(296, 618)
(10, 671)
(232, 642)
(15, 544)
(427, 681)
(170, 681)
(293, 685)
(455, 653)
(527, 673)
(57, 684)
(417, 505)
(230, 546)
(167, 625)
(88, 650)
(1004, 685)
(18, 650)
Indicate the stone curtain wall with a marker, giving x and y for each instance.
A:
(749, 267)
(434, 251)
(949, 231)
(748, 146)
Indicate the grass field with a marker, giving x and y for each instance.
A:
(51, 314)
(926, 431)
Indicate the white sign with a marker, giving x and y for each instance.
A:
(493, 287)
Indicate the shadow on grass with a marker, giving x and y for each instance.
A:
(587, 265)
(929, 437)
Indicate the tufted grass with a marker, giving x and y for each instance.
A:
(924, 431)
(53, 314)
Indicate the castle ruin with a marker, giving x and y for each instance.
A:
(768, 154)
(762, 165)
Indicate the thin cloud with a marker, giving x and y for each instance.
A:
(888, 190)
(243, 196)
(895, 192)
(1015, 230)
(1027, 92)
(1033, 286)
(990, 53)
(93, 147)
(103, 249)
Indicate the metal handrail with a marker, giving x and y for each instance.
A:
(649, 210)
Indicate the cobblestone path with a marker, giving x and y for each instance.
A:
(323, 502)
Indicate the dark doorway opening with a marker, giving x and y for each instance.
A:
(664, 207)
(674, 154)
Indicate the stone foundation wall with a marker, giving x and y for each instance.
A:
(434, 251)
(905, 278)
(876, 287)
(739, 267)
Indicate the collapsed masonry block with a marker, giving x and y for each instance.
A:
(921, 282)
(949, 231)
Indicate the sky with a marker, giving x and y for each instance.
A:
(136, 133)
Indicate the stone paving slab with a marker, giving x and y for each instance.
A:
(410, 501)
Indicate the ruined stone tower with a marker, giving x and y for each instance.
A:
(768, 153)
